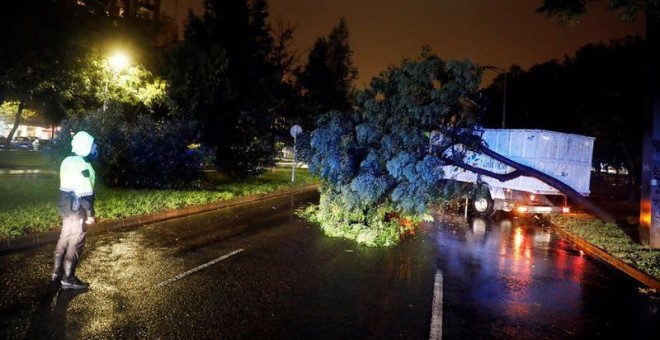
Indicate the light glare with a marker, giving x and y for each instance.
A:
(118, 61)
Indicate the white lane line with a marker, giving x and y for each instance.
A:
(182, 275)
(436, 318)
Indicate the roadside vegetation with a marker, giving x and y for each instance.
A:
(612, 239)
(28, 204)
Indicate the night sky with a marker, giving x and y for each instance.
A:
(383, 32)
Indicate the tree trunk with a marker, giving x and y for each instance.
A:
(17, 120)
(2, 101)
(632, 192)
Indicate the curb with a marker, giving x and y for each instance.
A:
(594, 251)
(29, 241)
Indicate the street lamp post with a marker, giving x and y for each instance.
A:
(116, 62)
(504, 102)
(295, 131)
(503, 72)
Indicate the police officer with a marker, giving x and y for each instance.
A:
(76, 206)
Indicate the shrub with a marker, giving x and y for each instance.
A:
(139, 153)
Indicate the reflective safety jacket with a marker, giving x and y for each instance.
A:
(77, 178)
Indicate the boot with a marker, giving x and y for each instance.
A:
(70, 281)
(57, 268)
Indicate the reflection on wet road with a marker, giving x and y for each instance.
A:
(510, 278)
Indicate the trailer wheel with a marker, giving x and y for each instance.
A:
(482, 205)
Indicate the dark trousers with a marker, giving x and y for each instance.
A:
(72, 238)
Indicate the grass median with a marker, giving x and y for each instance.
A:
(27, 205)
(612, 239)
(21, 159)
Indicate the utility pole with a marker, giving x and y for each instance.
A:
(504, 73)
(649, 217)
(504, 102)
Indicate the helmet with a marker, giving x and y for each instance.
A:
(81, 144)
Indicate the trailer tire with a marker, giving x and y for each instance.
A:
(482, 205)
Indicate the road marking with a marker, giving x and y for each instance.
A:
(182, 275)
(436, 318)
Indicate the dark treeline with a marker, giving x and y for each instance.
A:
(235, 75)
(599, 92)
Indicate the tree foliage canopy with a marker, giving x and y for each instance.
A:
(54, 59)
(329, 74)
(379, 160)
(35, 52)
(571, 10)
(96, 84)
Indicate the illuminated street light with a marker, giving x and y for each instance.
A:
(117, 62)
(502, 71)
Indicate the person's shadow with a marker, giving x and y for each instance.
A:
(49, 317)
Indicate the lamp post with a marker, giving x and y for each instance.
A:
(503, 72)
(116, 63)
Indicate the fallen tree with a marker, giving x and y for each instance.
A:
(378, 165)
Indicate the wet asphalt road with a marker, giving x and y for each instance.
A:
(498, 279)
(510, 278)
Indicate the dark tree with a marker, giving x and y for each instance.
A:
(35, 52)
(611, 98)
(572, 10)
(329, 75)
(288, 92)
(227, 75)
(534, 98)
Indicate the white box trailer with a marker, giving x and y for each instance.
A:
(566, 157)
